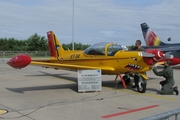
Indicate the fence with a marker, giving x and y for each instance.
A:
(9, 54)
(165, 115)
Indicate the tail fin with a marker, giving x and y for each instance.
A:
(55, 47)
(150, 37)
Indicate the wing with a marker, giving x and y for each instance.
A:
(22, 61)
(68, 66)
(163, 49)
(171, 48)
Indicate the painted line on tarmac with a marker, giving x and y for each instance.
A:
(129, 111)
(148, 94)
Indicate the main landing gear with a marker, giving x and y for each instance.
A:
(140, 82)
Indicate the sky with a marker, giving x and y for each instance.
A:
(90, 21)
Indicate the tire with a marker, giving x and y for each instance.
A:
(142, 89)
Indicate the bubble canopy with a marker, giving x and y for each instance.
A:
(103, 48)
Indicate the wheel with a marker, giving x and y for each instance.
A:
(141, 88)
(140, 83)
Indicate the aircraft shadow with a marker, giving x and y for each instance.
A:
(153, 89)
(72, 86)
(119, 85)
(62, 76)
(152, 78)
(48, 87)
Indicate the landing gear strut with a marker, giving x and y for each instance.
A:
(139, 81)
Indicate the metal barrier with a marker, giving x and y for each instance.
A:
(9, 54)
(4, 55)
(165, 115)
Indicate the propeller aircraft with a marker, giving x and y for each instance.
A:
(110, 58)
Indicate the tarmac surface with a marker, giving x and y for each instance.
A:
(36, 93)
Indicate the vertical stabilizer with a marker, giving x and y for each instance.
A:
(55, 47)
(150, 37)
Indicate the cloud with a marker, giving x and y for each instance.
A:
(95, 20)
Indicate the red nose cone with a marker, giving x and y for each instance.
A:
(19, 61)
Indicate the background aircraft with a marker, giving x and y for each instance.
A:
(112, 59)
(172, 51)
(152, 39)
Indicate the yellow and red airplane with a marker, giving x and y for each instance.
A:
(110, 58)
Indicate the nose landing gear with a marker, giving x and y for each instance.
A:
(140, 83)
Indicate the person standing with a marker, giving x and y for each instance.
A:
(137, 47)
(166, 86)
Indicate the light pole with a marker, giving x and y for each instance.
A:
(73, 27)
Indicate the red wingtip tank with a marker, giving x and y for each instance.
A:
(19, 61)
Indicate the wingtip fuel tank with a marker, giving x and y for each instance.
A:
(19, 61)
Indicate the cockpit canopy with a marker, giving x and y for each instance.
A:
(103, 48)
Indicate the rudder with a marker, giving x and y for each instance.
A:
(55, 47)
(150, 37)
